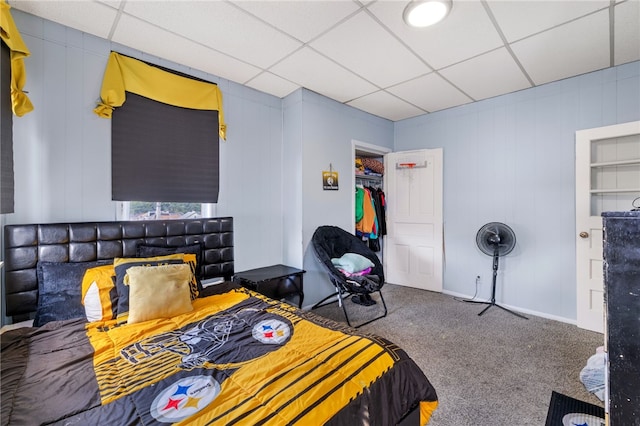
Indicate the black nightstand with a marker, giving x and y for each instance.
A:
(277, 281)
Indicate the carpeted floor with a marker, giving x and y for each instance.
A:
(490, 370)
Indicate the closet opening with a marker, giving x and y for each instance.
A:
(368, 203)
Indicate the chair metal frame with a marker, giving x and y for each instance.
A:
(340, 295)
(339, 281)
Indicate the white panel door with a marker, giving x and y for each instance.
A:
(607, 179)
(413, 245)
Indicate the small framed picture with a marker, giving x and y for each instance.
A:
(330, 180)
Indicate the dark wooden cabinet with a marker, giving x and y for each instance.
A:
(276, 281)
(622, 304)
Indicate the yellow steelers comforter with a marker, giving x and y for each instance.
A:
(237, 359)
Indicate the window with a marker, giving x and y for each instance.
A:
(146, 210)
(163, 152)
(164, 134)
(13, 100)
(6, 134)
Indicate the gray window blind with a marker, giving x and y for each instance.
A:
(161, 152)
(6, 133)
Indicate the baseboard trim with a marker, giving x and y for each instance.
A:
(519, 309)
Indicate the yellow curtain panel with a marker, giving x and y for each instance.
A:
(20, 103)
(128, 74)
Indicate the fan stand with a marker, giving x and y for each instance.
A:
(493, 289)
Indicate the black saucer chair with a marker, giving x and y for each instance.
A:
(332, 242)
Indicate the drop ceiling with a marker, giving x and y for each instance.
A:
(361, 53)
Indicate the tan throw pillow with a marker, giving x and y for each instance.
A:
(158, 291)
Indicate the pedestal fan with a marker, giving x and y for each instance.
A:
(495, 239)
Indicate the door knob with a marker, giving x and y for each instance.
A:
(584, 234)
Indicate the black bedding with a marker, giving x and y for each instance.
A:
(224, 356)
(238, 358)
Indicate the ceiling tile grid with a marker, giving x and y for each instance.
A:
(577, 47)
(167, 45)
(360, 52)
(492, 74)
(520, 19)
(465, 33)
(310, 69)
(430, 92)
(370, 51)
(626, 32)
(273, 84)
(312, 18)
(69, 14)
(219, 25)
(381, 103)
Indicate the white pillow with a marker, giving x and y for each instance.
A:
(92, 305)
(98, 288)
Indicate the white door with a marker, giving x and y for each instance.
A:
(607, 179)
(413, 245)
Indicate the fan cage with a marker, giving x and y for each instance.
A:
(507, 238)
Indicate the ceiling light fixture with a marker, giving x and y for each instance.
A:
(422, 13)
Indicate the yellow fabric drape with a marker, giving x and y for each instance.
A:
(128, 74)
(20, 103)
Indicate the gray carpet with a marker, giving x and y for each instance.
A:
(495, 369)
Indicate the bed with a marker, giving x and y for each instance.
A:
(107, 347)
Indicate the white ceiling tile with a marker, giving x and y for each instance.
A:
(357, 47)
(575, 48)
(430, 92)
(492, 74)
(92, 17)
(166, 45)
(303, 20)
(272, 84)
(627, 32)
(386, 106)
(467, 31)
(371, 52)
(311, 70)
(519, 19)
(219, 25)
(113, 3)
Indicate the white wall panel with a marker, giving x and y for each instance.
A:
(292, 195)
(327, 129)
(511, 159)
(63, 153)
(508, 158)
(95, 163)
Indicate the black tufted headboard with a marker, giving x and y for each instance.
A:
(25, 245)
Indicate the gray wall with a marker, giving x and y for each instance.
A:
(320, 131)
(270, 165)
(512, 159)
(509, 158)
(62, 149)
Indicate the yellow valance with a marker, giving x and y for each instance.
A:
(20, 103)
(127, 74)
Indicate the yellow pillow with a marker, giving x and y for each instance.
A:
(99, 293)
(122, 266)
(158, 292)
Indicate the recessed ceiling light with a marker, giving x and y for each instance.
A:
(422, 13)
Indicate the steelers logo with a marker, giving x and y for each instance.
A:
(271, 331)
(184, 398)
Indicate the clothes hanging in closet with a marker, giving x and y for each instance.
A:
(370, 215)
(366, 225)
(381, 205)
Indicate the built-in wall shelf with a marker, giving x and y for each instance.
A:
(617, 163)
(369, 177)
(615, 174)
(613, 191)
